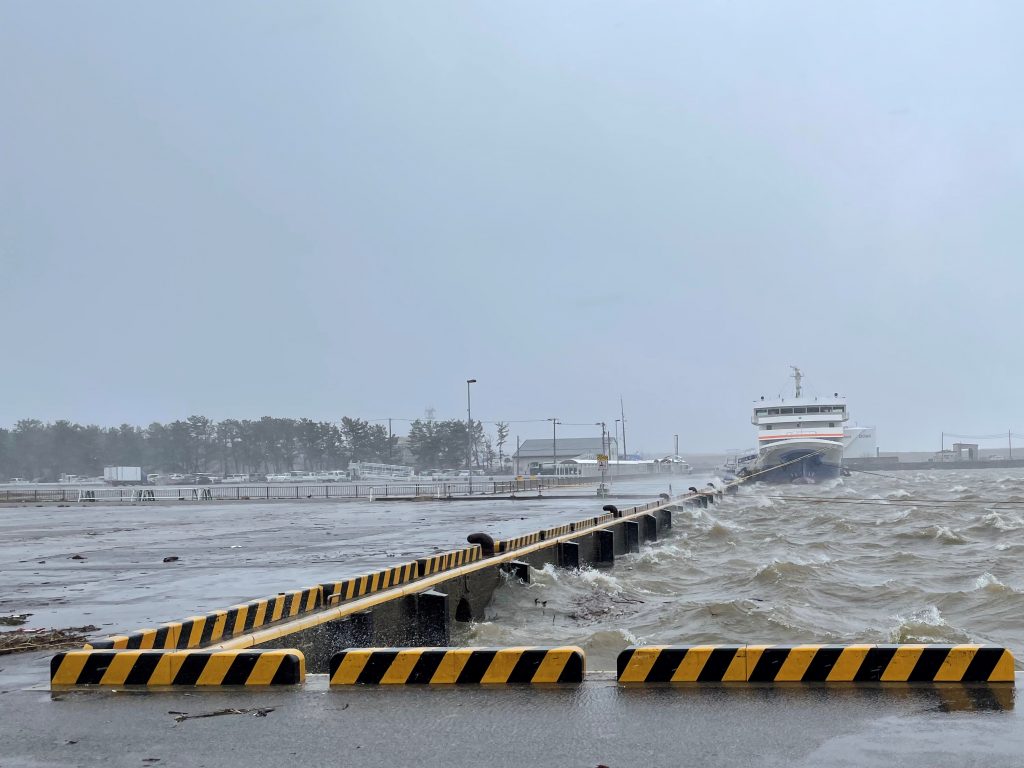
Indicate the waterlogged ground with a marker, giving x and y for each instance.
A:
(910, 557)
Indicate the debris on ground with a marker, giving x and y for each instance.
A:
(76, 557)
(171, 559)
(256, 712)
(19, 640)
(14, 620)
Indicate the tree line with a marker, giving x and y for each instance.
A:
(44, 451)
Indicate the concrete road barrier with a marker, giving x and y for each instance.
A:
(177, 668)
(816, 663)
(457, 666)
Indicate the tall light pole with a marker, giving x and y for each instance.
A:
(617, 440)
(554, 445)
(469, 434)
(677, 445)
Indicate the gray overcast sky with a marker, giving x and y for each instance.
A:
(327, 209)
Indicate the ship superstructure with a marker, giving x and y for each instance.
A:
(800, 439)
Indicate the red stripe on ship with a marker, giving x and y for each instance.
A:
(790, 437)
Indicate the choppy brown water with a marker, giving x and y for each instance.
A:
(913, 557)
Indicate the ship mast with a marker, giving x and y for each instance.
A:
(797, 377)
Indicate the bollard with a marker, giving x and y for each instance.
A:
(632, 536)
(605, 546)
(569, 554)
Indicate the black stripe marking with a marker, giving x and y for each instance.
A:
(527, 665)
(185, 633)
(287, 671)
(250, 615)
(572, 672)
(207, 633)
(981, 666)
(102, 644)
(192, 667)
(768, 665)
(95, 665)
(666, 664)
(134, 641)
(143, 668)
(718, 662)
(240, 669)
(476, 667)
(928, 664)
(55, 663)
(160, 639)
(821, 665)
(229, 623)
(874, 664)
(622, 661)
(376, 667)
(425, 667)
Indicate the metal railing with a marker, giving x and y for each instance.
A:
(439, 490)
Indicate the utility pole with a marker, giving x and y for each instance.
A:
(389, 439)
(517, 455)
(1009, 441)
(677, 446)
(622, 413)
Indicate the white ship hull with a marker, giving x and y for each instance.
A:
(798, 460)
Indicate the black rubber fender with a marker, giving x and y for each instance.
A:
(611, 508)
(485, 541)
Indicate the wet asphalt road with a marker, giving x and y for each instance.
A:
(597, 723)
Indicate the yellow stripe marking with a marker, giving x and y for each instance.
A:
(148, 638)
(278, 608)
(350, 668)
(902, 664)
(261, 614)
(692, 664)
(198, 622)
(120, 642)
(554, 662)
(216, 669)
(451, 666)
(70, 668)
(639, 665)
(848, 663)
(264, 670)
(240, 617)
(955, 664)
(795, 666)
(220, 620)
(401, 668)
(387, 579)
(502, 664)
(1004, 669)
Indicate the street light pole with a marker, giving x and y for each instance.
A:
(617, 440)
(469, 435)
(677, 445)
(554, 445)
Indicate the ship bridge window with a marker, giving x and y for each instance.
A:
(785, 410)
(814, 409)
(773, 411)
(799, 410)
(832, 424)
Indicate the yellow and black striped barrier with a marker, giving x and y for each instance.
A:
(336, 592)
(816, 663)
(457, 666)
(507, 545)
(553, 533)
(445, 561)
(176, 668)
(218, 625)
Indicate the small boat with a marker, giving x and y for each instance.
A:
(800, 439)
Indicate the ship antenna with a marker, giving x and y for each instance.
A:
(797, 377)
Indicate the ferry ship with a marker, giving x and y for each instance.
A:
(800, 439)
